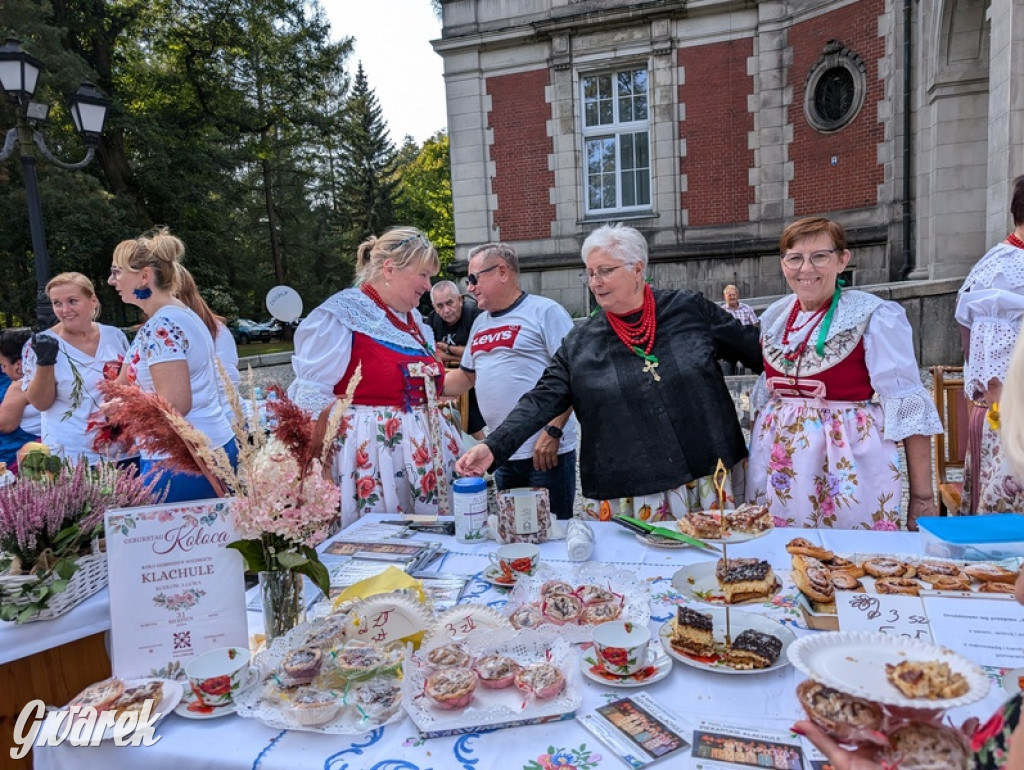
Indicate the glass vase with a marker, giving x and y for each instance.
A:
(283, 602)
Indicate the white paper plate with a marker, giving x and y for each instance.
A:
(739, 621)
(171, 697)
(463, 620)
(698, 581)
(1012, 679)
(656, 658)
(853, 662)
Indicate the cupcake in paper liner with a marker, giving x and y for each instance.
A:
(310, 707)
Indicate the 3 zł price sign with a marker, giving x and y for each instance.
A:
(882, 613)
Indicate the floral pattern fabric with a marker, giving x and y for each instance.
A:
(999, 491)
(990, 744)
(384, 462)
(825, 464)
(697, 495)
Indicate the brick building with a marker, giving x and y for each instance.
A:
(710, 124)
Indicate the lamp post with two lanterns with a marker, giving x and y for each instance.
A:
(19, 74)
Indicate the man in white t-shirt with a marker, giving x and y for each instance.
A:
(510, 345)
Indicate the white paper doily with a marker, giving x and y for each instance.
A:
(635, 593)
(496, 707)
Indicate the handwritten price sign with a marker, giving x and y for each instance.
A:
(893, 615)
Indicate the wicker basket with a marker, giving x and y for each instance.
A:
(89, 578)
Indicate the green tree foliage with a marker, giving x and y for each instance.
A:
(367, 188)
(234, 123)
(426, 193)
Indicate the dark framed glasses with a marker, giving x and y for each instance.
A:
(474, 278)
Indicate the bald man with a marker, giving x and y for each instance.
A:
(744, 314)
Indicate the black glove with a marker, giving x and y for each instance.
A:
(45, 347)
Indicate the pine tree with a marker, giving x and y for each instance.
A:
(367, 165)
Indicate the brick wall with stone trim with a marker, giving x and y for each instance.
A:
(852, 182)
(523, 180)
(716, 160)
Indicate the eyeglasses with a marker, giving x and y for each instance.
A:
(474, 278)
(794, 260)
(601, 274)
(410, 239)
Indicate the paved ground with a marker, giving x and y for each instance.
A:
(276, 368)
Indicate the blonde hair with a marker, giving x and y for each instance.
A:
(188, 293)
(80, 282)
(158, 250)
(1011, 411)
(404, 246)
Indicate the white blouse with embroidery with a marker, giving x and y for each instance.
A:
(888, 353)
(991, 304)
(323, 344)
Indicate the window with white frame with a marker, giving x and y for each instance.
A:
(616, 141)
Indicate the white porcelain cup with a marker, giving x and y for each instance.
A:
(217, 675)
(621, 647)
(516, 559)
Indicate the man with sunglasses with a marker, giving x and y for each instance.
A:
(510, 346)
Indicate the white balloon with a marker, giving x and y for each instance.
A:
(284, 303)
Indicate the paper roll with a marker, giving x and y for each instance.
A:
(580, 548)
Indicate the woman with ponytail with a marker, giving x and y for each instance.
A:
(173, 352)
(823, 448)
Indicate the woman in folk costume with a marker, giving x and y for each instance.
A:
(841, 386)
(989, 308)
(397, 454)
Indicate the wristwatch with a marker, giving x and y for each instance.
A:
(552, 431)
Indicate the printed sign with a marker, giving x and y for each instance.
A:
(176, 590)
(883, 613)
(990, 632)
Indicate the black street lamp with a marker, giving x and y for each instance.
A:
(19, 73)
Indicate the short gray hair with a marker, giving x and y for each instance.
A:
(502, 251)
(442, 286)
(621, 242)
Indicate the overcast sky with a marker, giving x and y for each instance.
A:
(392, 40)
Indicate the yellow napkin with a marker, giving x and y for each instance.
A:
(391, 579)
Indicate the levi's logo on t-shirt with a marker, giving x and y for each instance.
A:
(498, 337)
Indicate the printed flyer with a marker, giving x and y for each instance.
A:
(176, 590)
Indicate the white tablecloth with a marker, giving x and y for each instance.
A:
(90, 617)
(766, 700)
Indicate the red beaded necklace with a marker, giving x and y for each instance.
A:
(638, 335)
(789, 358)
(409, 326)
(1013, 240)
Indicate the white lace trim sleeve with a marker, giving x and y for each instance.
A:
(323, 347)
(907, 407)
(759, 395)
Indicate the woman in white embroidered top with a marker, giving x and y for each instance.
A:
(64, 365)
(989, 308)
(823, 448)
(388, 458)
(172, 353)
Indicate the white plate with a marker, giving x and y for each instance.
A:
(1012, 679)
(656, 659)
(730, 537)
(739, 621)
(188, 698)
(495, 577)
(853, 662)
(170, 698)
(698, 581)
(458, 622)
(657, 541)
